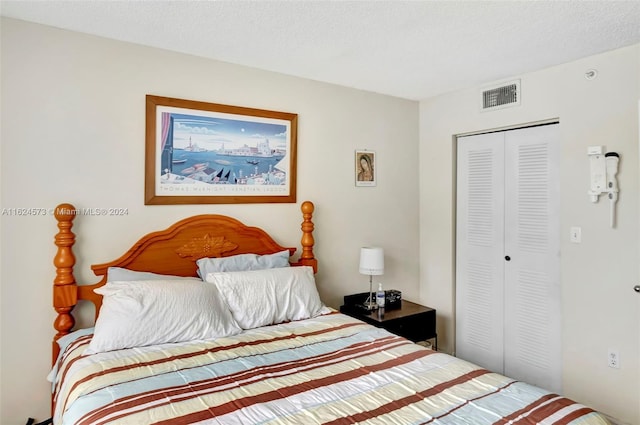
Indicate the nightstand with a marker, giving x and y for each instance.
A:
(412, 321)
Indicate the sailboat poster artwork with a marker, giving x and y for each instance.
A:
(201, 153)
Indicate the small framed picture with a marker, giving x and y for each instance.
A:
(365, 168)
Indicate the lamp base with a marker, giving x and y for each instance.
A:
(370, 304)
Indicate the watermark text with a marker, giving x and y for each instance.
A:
(37, 211)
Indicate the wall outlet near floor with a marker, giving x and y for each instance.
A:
(613, 358)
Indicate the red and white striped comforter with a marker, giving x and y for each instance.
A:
(328, 370)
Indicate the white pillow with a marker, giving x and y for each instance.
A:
(121, 274)
(243, 262)
(265, 297)
(148, 312)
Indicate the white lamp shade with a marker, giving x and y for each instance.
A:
(372, 261)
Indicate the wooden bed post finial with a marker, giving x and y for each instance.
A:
(65, 293)
(307, 258)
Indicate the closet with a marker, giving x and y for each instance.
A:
(508, 253)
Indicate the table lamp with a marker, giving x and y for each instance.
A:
(371, 263)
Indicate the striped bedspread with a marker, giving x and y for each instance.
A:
(328, 370)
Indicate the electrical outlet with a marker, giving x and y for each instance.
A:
(613, 358)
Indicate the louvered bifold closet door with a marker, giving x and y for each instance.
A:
(479, 250)
(508, 254)
(532, 241)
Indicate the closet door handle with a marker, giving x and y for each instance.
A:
(636, 288)
(507, 258)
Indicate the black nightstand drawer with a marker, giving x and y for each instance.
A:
(419, 327)
(412, 321)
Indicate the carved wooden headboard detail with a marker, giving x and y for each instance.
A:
(173, 251)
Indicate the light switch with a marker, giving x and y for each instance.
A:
(576, 235)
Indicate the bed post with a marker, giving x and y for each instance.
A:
(307, 258)
(65, 289)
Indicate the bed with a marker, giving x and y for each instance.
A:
(203, 323)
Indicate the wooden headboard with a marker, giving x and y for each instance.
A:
(173, 251)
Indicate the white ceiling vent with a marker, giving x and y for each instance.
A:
(500, 96)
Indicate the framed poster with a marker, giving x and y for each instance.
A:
(208, 153)
(365, 168)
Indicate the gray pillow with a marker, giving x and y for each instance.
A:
(243, 263)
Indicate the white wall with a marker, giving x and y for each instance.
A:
(73, 131)
(600, 310)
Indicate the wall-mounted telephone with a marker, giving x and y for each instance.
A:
(604, 168)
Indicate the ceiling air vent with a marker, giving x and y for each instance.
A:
(501, 96)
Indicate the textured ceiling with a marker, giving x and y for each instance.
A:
(409, 49)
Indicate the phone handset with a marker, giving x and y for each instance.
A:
(612, 159)
(602, 178)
